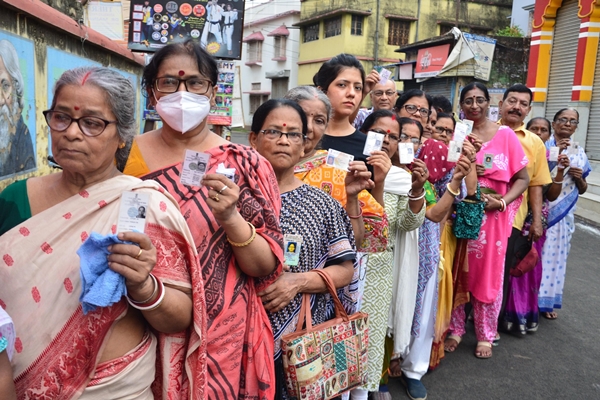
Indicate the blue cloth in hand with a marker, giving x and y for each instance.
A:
(101, 286)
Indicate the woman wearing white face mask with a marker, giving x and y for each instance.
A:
(234, 220)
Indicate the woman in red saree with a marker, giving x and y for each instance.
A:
(117, 350)
(234, 219)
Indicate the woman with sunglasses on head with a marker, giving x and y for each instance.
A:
(561, 211)
(503, 178)
(232, 212)
(278, 133)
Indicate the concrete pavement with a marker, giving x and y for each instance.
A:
(560, 361)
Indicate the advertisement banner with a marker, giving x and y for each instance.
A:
(217, 26)
(221, 113)
(431, 60)
(106, 18)
(472, 56)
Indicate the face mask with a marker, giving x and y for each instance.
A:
(183, 111)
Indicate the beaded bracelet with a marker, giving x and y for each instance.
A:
(153, 305)
(453, 193)
(247, 242)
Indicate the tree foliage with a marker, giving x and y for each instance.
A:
(510, 31)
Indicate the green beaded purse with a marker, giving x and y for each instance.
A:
(469, 214)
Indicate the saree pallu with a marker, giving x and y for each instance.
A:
(58, 347)
(561, 226)
(240, 347)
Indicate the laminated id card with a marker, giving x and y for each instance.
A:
(339, 160)
(554, 152)
(406, 152)
(488, 160)
(291, 249)
(454, 150)
(194, 168)
(374, 142)
(132, 212)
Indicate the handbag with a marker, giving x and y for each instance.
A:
(323, 361)
(526, 264)
(469, 215)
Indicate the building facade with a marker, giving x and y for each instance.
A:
(372, 31)
(564, 71)
(269, 53)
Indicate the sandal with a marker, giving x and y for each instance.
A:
(550, 315)
(449, 347)
(481, 346)
(394, 370)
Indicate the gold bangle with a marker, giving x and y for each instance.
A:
(452, 192)
(247, 242)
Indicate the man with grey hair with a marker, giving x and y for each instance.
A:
(16, 146)
(383, 97)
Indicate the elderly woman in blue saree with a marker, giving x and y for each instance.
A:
(561, 214)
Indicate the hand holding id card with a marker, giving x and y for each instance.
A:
(406, 152)
(339, 160)
(132, 212)
(374, 142)
(194, 168)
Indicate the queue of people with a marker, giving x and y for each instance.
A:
(193, 301)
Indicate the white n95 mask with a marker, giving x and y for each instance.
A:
(183, 111)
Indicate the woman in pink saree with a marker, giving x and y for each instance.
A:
(503, 178)
(147, 344)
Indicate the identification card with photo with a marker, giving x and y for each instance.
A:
(454, 150)
(406, 152)
(291, 249)
(469, 124)
(460, 133)
(488, 160)
(229, 173)
(194, 168)
(554, 152)
(339, 160)
(132, 212)
(384, 76)
(374, 142)
(573, 148)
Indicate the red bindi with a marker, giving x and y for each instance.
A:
(76, 108)
(284, 125)
(181, 73)
(388, 131)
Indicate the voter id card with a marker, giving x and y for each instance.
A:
(291, 249)
(554, 152)
(132, 212)
(488, 160)
(194, 167)
(373, 143)
(454, 150)
(406, 152)
(339, 160)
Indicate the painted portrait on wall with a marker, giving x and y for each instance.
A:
(17, 106)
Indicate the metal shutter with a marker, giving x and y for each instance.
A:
(562, 60)
(433, 86)
(592, 144)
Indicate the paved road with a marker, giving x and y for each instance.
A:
(560, 361)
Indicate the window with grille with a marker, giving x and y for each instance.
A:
(279, 45)
(279, 87)
(256, 100)
(256, 86)
(333, 26)
(399, 32)
(311, 32)
(356, 26)
(445, 28)
(255, 51)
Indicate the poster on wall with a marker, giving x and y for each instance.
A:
(17, 109)
(106, 18)
(221, 113)
(431, 60)
(472, 56)
(215, 24)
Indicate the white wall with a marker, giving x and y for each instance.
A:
(256, 73)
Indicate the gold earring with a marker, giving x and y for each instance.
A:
(122, 145)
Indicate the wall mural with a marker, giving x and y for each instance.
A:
(17, 106)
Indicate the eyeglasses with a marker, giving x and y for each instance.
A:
(414, 140)
(274, 134)
(441, 129)
(392, 137)
(388, 93)
(563, 121)
(90, 126)
(193, 85)
(469, 102)
(411, 109)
